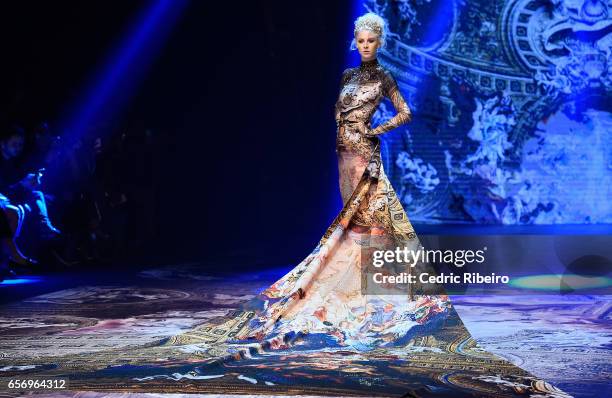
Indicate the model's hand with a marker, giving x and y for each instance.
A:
(370, 133)
(363, 129)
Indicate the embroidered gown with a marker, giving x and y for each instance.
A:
(323, 298)
(331, 325)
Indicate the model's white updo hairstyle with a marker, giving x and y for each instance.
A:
(372, 22)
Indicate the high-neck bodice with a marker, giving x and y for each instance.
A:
(371, 64)
(362, 89)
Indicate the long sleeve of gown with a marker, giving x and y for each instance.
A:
(403, 115)
(343, 80)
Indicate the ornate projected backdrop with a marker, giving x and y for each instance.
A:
(513, 121)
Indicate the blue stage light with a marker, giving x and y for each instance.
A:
(116, 81)
(21, 281)
(561, 283)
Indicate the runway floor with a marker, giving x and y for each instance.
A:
(78, 322)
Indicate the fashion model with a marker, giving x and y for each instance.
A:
(323, 297)
(325, 327)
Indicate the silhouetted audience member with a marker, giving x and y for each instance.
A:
(11, 220)
(100, 187)
(20, 187)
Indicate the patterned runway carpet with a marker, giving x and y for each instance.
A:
(109, 337)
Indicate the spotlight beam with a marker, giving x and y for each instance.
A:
(117, 80)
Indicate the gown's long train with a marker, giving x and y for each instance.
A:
(323, 295)
(325, 301)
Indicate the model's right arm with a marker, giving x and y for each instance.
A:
(343, 80)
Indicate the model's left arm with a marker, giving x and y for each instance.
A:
(391, 91)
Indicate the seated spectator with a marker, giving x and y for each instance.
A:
(21, 189)
(19, 185)
(11, 220)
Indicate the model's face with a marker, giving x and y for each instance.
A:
(12, 146)
(367, 44)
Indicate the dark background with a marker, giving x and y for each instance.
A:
(239, 102)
